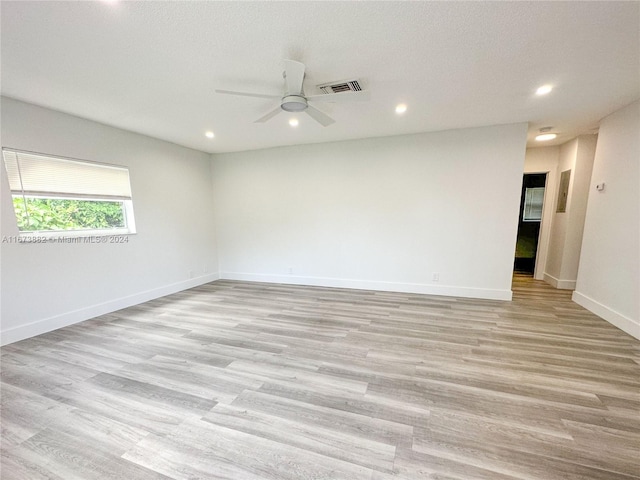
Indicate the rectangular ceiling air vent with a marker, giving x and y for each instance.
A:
(342, 86)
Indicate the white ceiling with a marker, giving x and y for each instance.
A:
(152, 67)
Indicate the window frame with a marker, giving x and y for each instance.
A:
(127, 204)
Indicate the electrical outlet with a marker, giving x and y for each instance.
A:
(190, 273)
(290, 270)
(436, 277)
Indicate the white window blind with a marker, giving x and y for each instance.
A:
(44, 175)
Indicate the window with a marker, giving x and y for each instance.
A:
(56, 196)
(533, 198)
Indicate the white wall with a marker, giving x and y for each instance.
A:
(48, 286)
(583, 169)
(565, 237)
(553, 269)
(383, 213)
(544, 160)
(609, 275)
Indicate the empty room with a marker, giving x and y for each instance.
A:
(320, 240)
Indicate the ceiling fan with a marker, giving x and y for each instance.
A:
(294, 99)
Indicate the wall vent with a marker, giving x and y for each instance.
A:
(342, 86)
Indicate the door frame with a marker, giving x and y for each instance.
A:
(545, 223)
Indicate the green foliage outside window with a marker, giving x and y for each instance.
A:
(43, 214)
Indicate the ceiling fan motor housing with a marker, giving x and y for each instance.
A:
(294, 103)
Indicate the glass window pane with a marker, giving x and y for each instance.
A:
(533, 201)
(54, 214)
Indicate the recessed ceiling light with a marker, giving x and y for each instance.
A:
(293, 122)
(401, 108)
(209, 135)
(544, 89)
(546, 137)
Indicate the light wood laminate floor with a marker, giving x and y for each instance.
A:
(248, 381)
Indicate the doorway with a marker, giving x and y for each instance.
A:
(531, 202)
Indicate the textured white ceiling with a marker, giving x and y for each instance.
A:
(152, 67)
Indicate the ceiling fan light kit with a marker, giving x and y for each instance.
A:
(294, 99)
(294, 103)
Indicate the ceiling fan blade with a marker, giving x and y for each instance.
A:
(322, 118)
(248, 94)
(294, 73)
(340, 97)
(269, 115)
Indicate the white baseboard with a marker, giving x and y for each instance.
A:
(626, 324)
(558, 283)
(45, 325)
(428, 289)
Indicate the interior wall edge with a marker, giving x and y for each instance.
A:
(625, 324)
(45, 325)
(426, 289)
(559, 283)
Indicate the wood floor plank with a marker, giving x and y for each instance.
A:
(55, 454)
(510, 460)
(390, 409)
(222, 452)
(331, 442)
(25, 413)
(358, 425)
